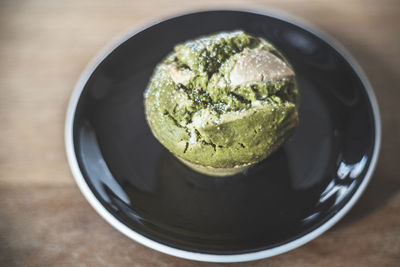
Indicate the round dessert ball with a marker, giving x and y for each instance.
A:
(223, 102)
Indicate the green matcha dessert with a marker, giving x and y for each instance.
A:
(223, 102)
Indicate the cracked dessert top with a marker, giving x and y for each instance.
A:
(223, 100)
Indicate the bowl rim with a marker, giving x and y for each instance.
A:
(207, 257)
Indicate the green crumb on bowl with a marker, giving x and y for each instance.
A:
(222, 101)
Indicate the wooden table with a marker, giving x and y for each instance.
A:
(45, 45)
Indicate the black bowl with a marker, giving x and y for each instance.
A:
(287, 200)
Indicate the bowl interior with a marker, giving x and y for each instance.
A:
(296, 190)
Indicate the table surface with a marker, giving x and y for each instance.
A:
(45, 45)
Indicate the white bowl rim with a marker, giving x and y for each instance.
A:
(95, 203)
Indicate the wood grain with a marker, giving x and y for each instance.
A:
(45, 45)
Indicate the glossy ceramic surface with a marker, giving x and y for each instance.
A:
(289, 195)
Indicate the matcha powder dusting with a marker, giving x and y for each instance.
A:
(222, 102)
